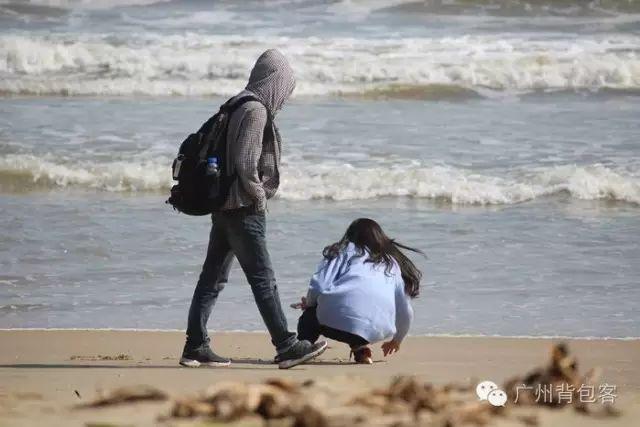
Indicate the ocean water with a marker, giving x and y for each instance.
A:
(500, 137)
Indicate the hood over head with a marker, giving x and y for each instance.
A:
(272, 80)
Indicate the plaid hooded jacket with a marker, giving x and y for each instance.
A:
(253, 140)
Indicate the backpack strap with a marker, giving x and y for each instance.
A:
(230, 106)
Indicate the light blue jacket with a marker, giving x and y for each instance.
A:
(359, 297)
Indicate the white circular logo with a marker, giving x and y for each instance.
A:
(488, 390)
(484, 388)
(497, 397)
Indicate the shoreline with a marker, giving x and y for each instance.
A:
(41, 370)
(243, 331)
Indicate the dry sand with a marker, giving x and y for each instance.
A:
(45, 374)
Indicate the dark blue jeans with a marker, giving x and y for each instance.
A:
(241, 233)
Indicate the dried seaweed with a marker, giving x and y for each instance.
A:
(405, 402)
(101, 357)
(561, 373)
(127, 395)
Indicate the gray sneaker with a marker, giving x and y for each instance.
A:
(300, 352)
(194, 358)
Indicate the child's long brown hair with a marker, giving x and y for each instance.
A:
(365, 233)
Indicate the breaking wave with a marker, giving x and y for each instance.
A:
(524, 7)
(491, 7)
(22, 173)
(84, 4)
(195, 64)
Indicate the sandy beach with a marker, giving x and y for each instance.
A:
(497, 138)
(44, 375)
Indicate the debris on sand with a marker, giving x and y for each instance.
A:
(230, 401)
(405, 402)
(100, 357)
(128, 395)
(348, 401)
(559, 384)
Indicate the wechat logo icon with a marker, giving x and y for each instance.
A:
(489, 391)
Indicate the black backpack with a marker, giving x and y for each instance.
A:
(201, 166)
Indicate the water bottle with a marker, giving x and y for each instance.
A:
(212, 166)
(213, 173)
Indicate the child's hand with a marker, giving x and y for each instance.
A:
(302, 305)
(390, 347)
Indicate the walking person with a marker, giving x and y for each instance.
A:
(239, 229)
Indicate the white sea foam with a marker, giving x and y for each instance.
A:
(196, 64)
(534, 8)
(27, 171)
(342, 182)
(458, 185)
(87, 4)
(360, 8)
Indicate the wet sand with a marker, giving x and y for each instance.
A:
(44, 374)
